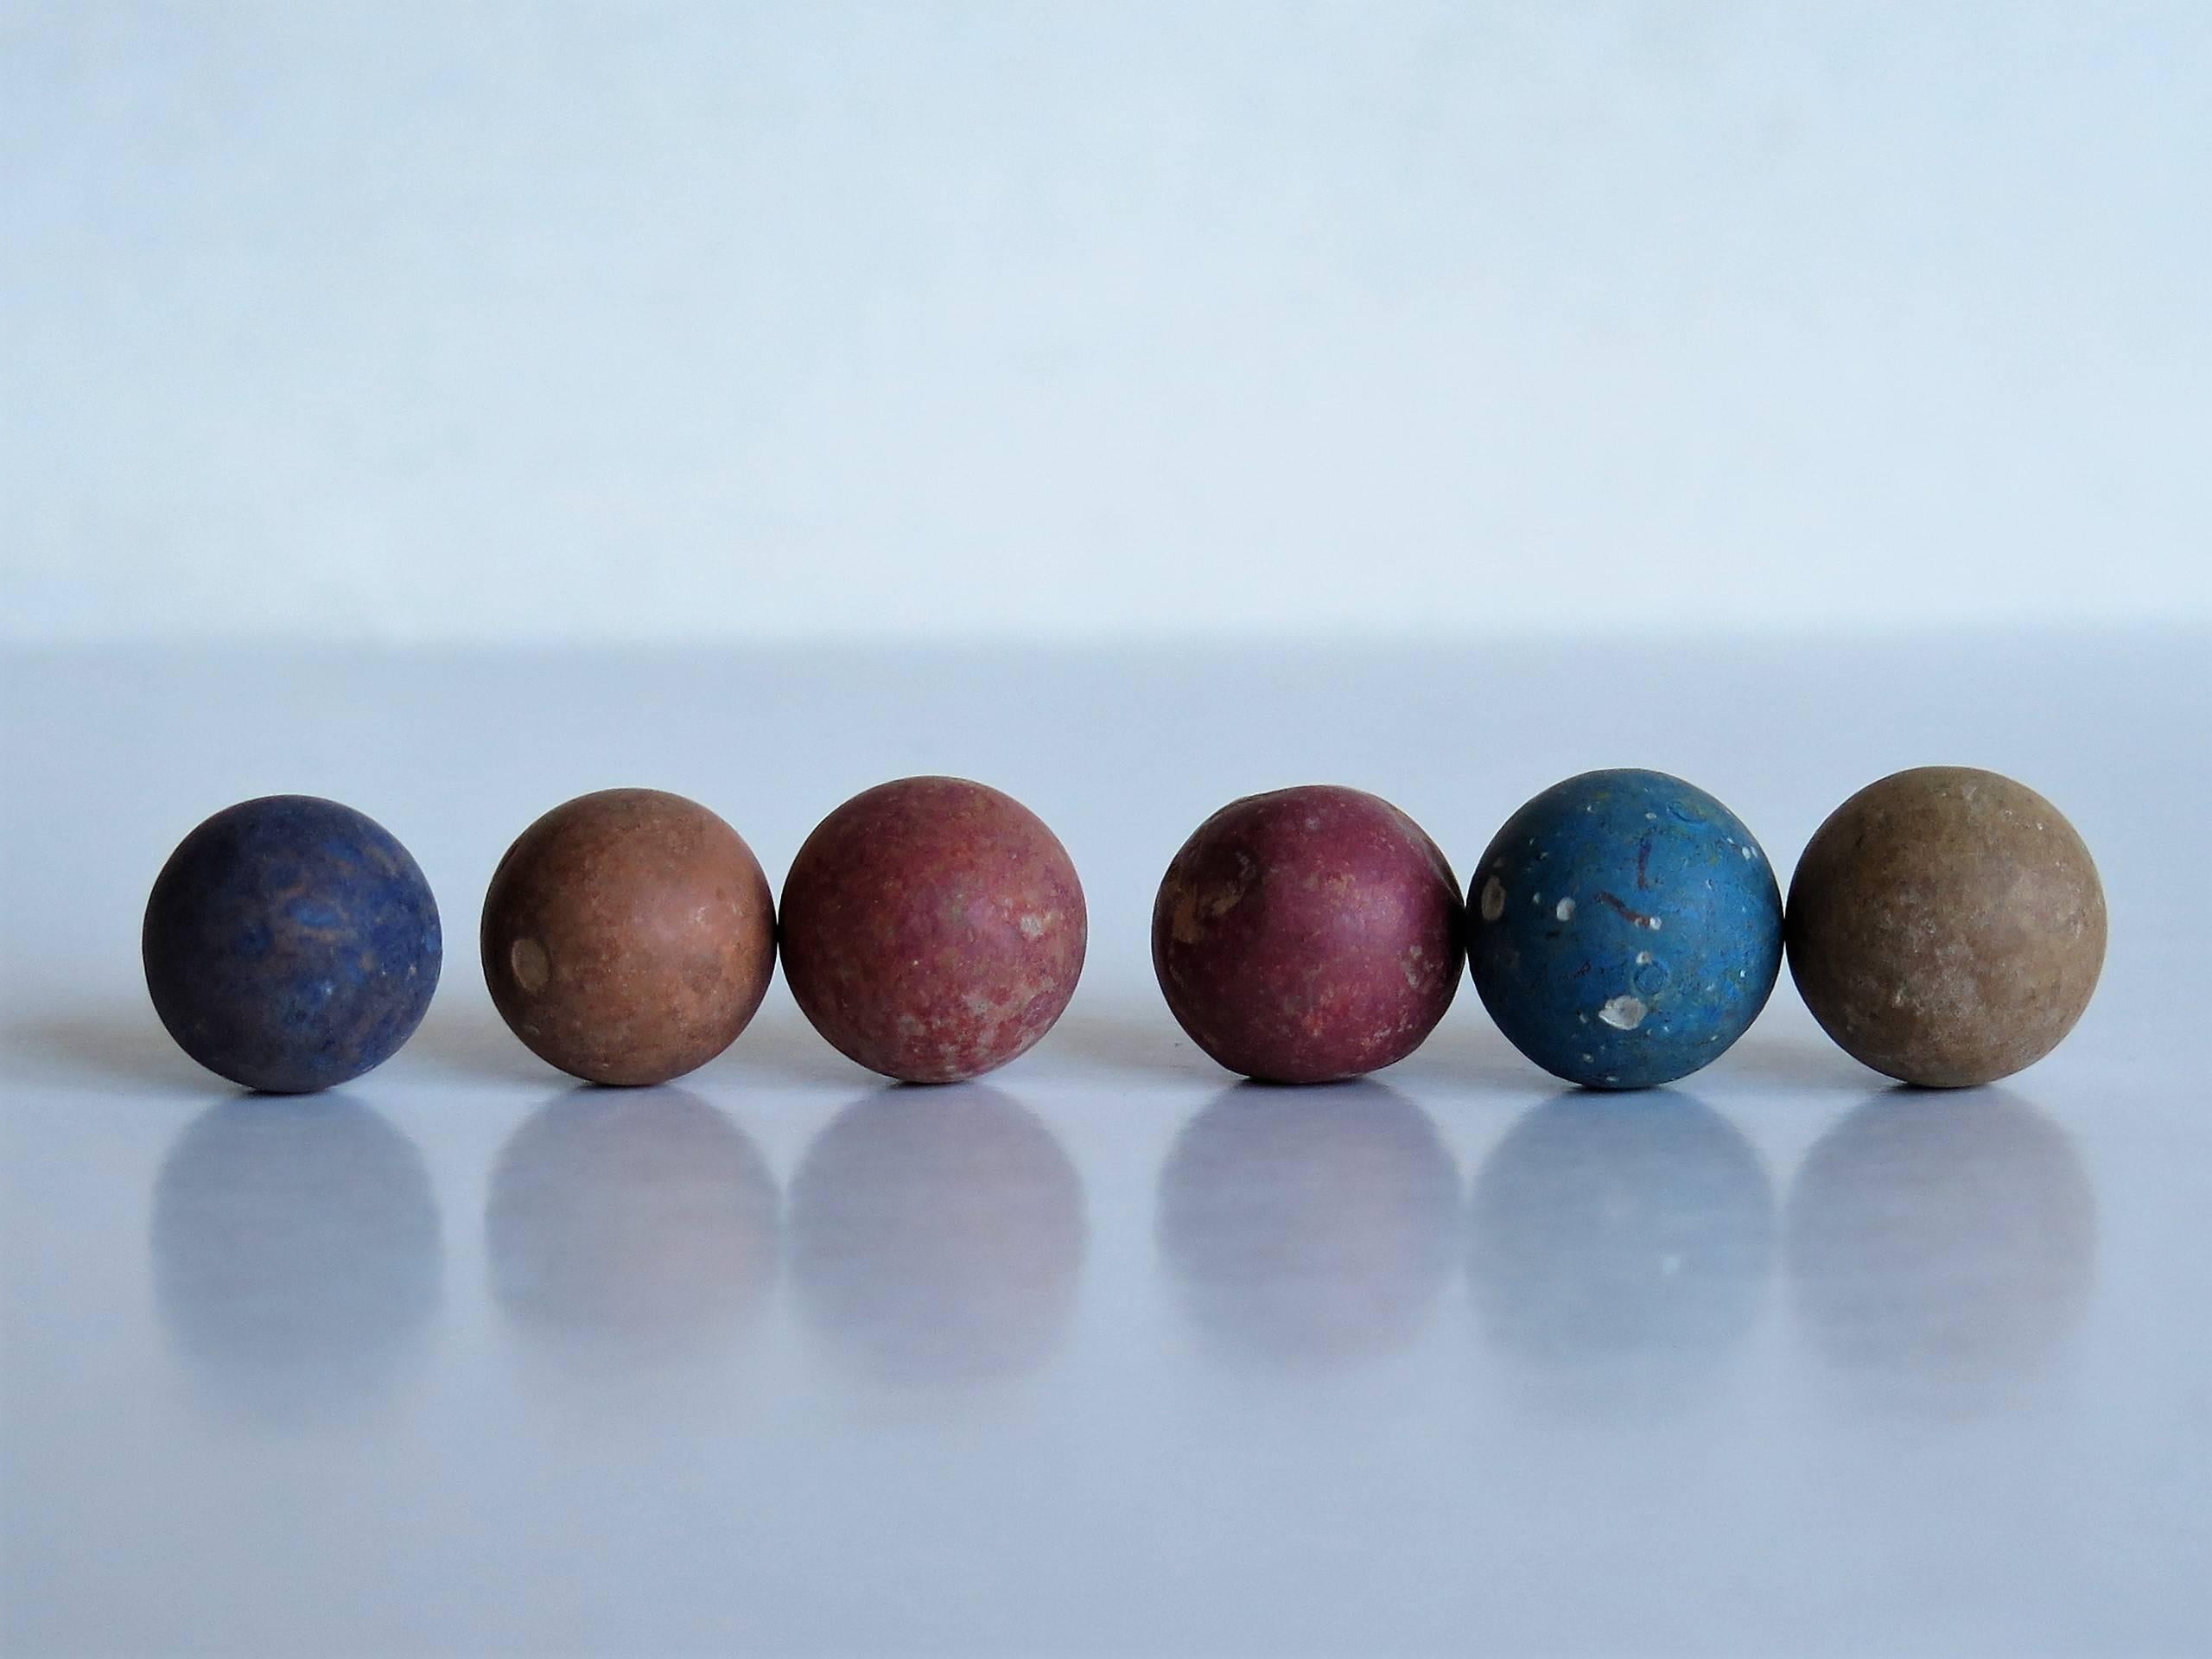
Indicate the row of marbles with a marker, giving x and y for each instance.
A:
(1945, 926)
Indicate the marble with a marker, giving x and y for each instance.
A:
(933, 929)
(1307, 935)
(1623, 929)
(1946, 926)
(290, 944)
(628, 936)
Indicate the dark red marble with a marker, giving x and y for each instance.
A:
(932, 929)
(1308, 935)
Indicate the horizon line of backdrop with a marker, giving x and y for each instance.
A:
(427, 323)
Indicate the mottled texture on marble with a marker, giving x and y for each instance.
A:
(628, 936)
(1946, 926)
(1623, 929)
(933, 929)
(290, 944)
(1307, 935)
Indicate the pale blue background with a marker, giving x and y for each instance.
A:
(494, 321)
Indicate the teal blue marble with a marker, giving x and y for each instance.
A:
(1625, 928)
(291, 944)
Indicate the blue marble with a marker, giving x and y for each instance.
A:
(291, 944)
(1625, 928)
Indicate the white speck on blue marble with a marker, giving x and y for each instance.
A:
(1623, 1012)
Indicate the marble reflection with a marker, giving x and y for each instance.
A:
(631, 1225)
(1942, 1247)
(297, 1254)
(1620, 1247)
(936, 1237)
(1309, 1227)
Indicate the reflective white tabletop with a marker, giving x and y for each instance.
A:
(1107, 1353)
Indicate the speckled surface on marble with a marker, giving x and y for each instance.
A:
(932, 928)
(1109, 1353)
(1308, 935)
(1946, 926)
(627, 936)
(1623, 928)
(290, 944)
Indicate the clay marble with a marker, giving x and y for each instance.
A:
(933, 929)
(291, 944)
(628, 936)
(1307, 935)
(1623, 929)
(1946, 926)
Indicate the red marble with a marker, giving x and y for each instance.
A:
(932, 929)
(1308, 935)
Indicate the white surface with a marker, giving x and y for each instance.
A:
(251, 1426)
(550, 321)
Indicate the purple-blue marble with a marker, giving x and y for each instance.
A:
(290, 944)
(1625, 928)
